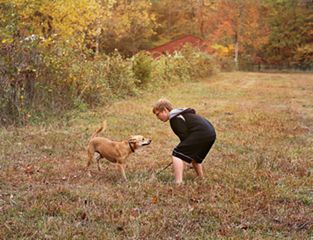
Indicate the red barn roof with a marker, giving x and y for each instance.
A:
(176, 45)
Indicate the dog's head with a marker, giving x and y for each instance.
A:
(138, 141)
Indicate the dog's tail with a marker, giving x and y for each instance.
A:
(103, 127)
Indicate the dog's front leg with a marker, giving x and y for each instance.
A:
(122, 170)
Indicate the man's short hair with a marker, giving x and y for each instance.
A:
(162, 104)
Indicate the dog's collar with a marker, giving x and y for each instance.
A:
(131, 148)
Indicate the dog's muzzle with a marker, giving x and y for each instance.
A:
(147, 143)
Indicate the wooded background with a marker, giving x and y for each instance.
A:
(63, 54)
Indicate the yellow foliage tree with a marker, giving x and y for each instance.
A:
(129, 27)
(61, 21)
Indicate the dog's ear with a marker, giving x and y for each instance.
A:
(132, 140)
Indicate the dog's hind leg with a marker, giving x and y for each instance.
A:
(98, 161)
(90, 152)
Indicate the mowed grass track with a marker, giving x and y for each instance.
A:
(258, 176)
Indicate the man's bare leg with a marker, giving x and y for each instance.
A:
(178, 167)
(198, 168)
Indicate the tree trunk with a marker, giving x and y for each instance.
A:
(236, 54)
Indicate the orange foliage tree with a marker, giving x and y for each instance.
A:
(241, 24)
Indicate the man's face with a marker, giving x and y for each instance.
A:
(162, 115)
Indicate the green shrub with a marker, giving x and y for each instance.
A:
(158, 73)
(119, 75)
(177, 68)
(200, 64)
(142, 68)
(89, 83)
(169, 69)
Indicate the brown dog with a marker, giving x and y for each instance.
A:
(115, 152)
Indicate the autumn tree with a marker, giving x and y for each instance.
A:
(181, 17)
(240, 24)
(291, 36)
(129, 28)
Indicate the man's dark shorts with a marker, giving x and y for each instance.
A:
(192, 149)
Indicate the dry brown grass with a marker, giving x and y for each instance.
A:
(258, 182)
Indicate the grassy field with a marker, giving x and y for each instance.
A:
(258, 177)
